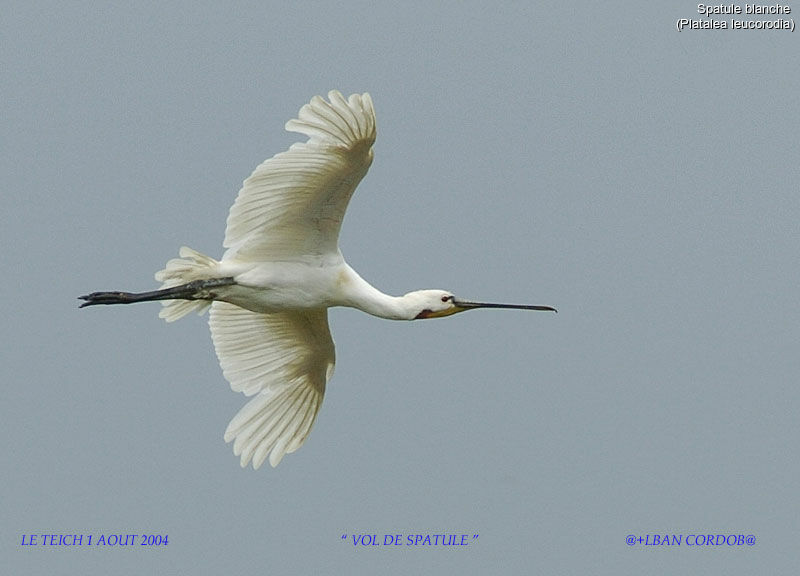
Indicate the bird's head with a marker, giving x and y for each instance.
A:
(439, 303)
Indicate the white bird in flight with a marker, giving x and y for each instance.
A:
(270, 293)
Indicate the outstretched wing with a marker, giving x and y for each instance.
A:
(293, 204)
(284, 360)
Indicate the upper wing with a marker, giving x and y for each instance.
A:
(293, 204)
(285, 359)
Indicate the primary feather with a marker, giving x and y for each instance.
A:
(284, 359)
(293, 204)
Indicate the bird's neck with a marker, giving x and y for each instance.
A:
(362, 295)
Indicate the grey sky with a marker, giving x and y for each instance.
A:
(583, 155)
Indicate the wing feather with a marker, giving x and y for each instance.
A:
(284, 361)
(292, 205)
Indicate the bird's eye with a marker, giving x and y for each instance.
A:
(446, 298)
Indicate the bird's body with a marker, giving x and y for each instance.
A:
(281, 286)
(282, 270)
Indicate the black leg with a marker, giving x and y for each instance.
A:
(197, 290)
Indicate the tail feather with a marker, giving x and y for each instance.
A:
(191, 266)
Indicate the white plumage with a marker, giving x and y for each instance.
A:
(281, 271)
(289, 210)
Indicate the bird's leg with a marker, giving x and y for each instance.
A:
(197, 290)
